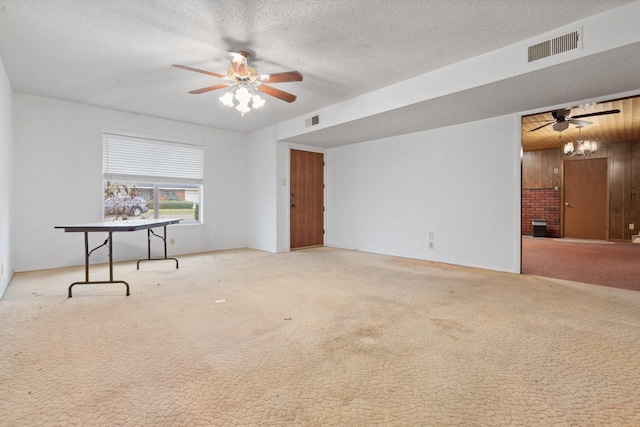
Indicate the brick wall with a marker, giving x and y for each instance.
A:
(543, 203)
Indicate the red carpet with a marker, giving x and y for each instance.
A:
(616, 265)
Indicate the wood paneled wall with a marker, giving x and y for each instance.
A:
(539, 169)
(543, 170)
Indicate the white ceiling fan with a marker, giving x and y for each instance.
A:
(244, 82)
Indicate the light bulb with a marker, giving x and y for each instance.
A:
(243, 95)
(568, 148)
(243, 108)
(227, 99)
(258, 101)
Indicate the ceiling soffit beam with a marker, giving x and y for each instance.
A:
(589, 77)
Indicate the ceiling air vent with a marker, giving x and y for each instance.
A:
(555, 46)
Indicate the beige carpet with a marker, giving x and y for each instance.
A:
(316, 337)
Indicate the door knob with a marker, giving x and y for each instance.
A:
(566, 203)
(293, 205)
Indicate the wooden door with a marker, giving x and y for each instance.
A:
(306, 199)
(586, 199)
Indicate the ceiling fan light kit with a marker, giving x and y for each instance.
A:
(246, 83)
(242, 94)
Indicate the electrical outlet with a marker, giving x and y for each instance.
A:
(431, 245)
(632, 226)
(172, 241)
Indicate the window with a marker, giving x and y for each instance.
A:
(151, 178)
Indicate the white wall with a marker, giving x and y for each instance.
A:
(6, 142)
(461, 182)
(268, 191)
(261, 191)
(283, 196)
(57, 180)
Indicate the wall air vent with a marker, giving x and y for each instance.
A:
(555, 46)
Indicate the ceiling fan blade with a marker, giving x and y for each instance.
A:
(209, 88)
(598, 113)
(238, 62)
(540, 127)
(579, 122)
(209, 73)
(287, 76)
(276, 93)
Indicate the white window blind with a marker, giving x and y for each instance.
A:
(132, 158)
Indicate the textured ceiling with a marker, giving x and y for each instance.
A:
(118, 53)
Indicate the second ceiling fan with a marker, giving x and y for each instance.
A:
(562, 118)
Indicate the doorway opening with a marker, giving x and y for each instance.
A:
(606, 213)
